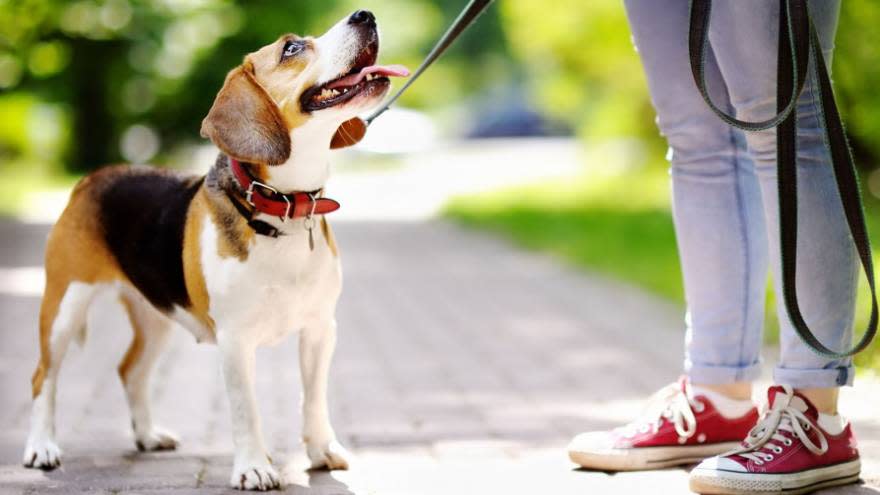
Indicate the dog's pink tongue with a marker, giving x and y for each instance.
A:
(382, 70)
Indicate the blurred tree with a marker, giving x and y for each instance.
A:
(857, 77)
(135, 77)
(581, 64)
(583, 68)
(87, 82)
(108, 64)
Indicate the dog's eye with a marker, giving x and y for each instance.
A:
(291, 48)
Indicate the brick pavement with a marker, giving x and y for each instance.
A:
(463, 366)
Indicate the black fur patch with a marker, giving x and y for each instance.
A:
(143, 213)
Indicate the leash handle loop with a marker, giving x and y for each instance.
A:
(793, 34)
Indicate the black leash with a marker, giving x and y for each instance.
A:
(465, 19)
(798, 40)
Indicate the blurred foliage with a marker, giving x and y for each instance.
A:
(582, 68)
(592, 220)
(581, 65)
(105, 80)
(857, 77)
(87, 82)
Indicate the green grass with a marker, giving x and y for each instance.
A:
(604, 222)
(617, 223)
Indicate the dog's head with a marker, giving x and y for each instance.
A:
(297, 82)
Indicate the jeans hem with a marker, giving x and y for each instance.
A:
(815, 378)
(717, 375)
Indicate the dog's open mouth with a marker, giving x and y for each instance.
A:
(364, 78)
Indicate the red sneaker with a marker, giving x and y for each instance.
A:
(786, 452)
(679, 429)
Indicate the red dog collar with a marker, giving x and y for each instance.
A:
(266, 199)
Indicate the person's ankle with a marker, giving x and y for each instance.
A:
(735, 390)
(824, 399)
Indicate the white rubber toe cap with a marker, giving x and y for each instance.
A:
(593, 441)
(720, 464)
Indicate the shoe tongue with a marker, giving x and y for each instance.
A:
(778, 395)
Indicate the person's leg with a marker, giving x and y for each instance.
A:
(716, 205)
(720, 233)
(827, 264)
(801, 444)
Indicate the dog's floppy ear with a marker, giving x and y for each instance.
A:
(349, 133)
(245, 123)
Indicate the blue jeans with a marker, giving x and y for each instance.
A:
(724, 194)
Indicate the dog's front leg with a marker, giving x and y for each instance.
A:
(252, 469)
(316, 344)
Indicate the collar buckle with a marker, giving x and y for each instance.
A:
(249, 195)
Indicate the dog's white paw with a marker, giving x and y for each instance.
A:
(156, 439)
(255, 476)
(330, 455)
(42, 454)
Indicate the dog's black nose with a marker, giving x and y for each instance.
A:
(364, 17)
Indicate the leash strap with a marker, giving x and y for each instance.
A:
(798, 42)
(464, 20)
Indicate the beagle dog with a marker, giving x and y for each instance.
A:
(240, 257)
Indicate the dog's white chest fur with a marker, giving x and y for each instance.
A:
(281, 287)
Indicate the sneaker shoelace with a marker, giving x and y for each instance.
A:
(672, 403)
(767, 439)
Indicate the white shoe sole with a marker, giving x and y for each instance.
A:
(714, 482)
(643, 458)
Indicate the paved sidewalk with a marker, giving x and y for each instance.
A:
(464, 366)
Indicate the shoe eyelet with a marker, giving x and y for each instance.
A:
(777, 450)
(787, 442)
(768, 457)
(807, 426)
(699, 406)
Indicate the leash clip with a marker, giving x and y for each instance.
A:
(249, 194)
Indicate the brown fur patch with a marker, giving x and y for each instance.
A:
(234, 234)
(328, 236)
(136, 348)
(258, 171)
(75, 251)
(244, 121)
(193, 274)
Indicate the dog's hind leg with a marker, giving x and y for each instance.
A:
(151, 330)
(62, 315)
